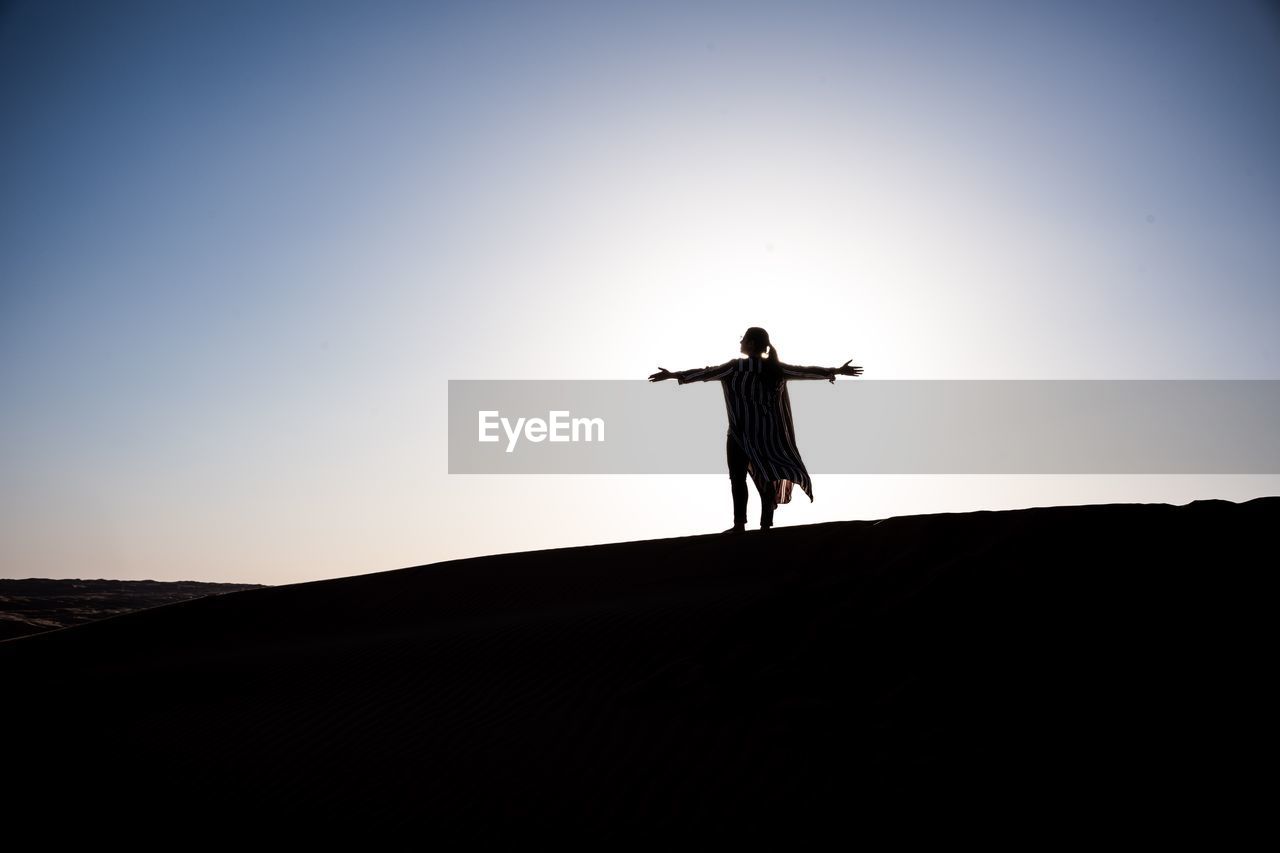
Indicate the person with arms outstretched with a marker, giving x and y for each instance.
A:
(761, 440)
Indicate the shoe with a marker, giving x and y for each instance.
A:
(737, 528)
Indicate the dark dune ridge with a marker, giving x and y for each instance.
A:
(32, 605)
(1087, 664)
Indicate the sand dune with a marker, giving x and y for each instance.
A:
(1083, 663)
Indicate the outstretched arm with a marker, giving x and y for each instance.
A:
(708, 373)
(796, 371)
(703, 374)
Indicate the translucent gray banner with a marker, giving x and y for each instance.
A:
(860, 426)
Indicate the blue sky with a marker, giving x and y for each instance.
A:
(243, 247)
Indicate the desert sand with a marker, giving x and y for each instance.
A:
(1085, 664)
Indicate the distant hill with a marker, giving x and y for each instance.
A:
(1099, 667)
(32, 605)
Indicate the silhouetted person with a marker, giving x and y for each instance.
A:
(761, 441)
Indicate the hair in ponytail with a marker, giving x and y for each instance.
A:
(771, 366)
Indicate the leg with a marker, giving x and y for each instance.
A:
(737, 480)
(766, 508)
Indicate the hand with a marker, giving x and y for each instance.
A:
(662, 374)
(846, 370)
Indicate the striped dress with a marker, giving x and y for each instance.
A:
(760, 421)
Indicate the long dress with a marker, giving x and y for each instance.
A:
(760, 421)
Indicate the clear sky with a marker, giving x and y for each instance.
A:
(244, 245)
